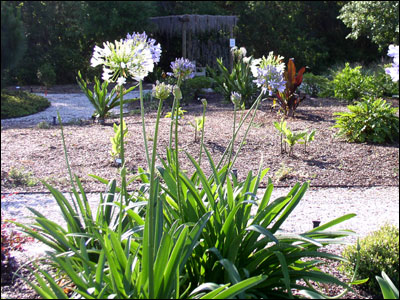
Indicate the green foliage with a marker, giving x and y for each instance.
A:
(18, 104)
(46, 74)
(289, 99)
(191, 88)
(116, 139)
(314, 85)
(239, 80)
(198, 125)
(388, 289)
(378, 20)
(370, 120)
(101, 100)
(379, 252)
(350, 84)
(19, 177)
(13, 41)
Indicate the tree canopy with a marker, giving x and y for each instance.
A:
(377, 20)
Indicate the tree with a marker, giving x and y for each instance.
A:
(13, 41)
(378, 20)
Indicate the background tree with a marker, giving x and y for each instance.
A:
(13, 42)
(378, 20)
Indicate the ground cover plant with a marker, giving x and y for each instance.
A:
(20, 103)
(150, 243)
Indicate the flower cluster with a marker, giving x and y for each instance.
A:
(394, 70)
(134, 57)
(151, 44)
(239, 53)
(182, 68)
(236, 98)
(269, 73)
(161, 90)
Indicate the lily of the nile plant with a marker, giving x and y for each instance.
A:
(394, 70)
(131, 57)
(269, 73)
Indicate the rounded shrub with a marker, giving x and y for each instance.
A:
(379, 251)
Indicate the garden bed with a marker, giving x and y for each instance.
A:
(33, 153)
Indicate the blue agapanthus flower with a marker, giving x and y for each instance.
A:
(182, 68)
(155, 49)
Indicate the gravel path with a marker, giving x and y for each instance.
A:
(374, 207)
(72, 107)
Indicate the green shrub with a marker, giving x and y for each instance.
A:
(368, 121)
(18, 104)
(379, 252)
(314, 85)
(191, 88)
(350, 84)
(382, 84)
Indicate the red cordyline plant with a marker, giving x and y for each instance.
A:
(289, 99)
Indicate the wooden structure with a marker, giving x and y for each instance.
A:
(191, 25)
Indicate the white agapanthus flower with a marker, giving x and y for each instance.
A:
(394, 70)
(123, 58)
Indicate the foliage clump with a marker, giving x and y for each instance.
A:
(379, 252)
(370, 120)
(16, 104)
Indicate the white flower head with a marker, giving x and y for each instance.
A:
(123, 58)
(394, 70)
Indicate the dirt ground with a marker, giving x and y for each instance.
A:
(326, 162)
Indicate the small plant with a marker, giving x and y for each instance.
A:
(289, 99)
(99, 97)
(307, 138)
(18, 177)
(198, 126)
(290, 137)
(283, 172)
(16, 104)
(43, 125)
(116, 139)
(379, 251)
(180, 113)
(368, 121)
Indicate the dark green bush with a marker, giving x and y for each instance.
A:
(191, 88)
(379, 252)
(46, 74)
(20, 103)
(370, 120)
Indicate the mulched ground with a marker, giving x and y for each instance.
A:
(326, 162)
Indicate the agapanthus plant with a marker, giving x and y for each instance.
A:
(269, 73)
(394, 70)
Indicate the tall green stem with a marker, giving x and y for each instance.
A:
(257, 102)
(202, 131)
(152, 206)
(143, 124)
(237, 130)
(122, 157)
